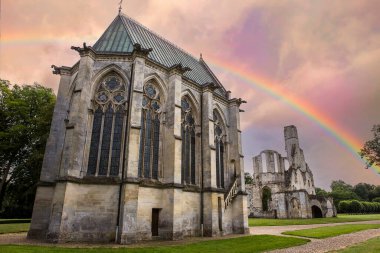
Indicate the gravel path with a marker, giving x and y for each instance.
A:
(332, 243)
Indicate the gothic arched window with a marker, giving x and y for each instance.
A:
(219, 151)
(188, 143)
(107, 128)
(150, 132)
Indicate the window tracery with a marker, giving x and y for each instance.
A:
(188, 142)
(150, 132)
(219, 150)
(107, 128)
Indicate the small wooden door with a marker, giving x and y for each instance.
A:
(155, 218)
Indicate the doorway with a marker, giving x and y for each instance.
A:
(316, 212)
(155, 220)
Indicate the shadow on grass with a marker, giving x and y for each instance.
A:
(246, 244)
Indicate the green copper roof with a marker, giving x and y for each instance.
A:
(124, 32)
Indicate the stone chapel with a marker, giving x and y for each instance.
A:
(145, 143)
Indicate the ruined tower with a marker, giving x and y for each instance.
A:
(294, 152)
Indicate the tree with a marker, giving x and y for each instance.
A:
(340, 185)
(342, 191)
(321, 192)
(25, 116)
(363, 190)
(248, 178)
(371, 149)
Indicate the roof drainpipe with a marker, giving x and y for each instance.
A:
(118, 219)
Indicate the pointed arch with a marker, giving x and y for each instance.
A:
(109, 103)
(161, 84)
(188, 140)
(220, 147)
(152, 104)
(221, 114)
(194, 102)
(107, 70)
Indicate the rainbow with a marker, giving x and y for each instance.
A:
(343, 137)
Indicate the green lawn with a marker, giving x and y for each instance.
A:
(285, 222)
(372, 245)
(249, 244)
(14, 228)
(324, 232)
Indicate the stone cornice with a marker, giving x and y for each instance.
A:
(151, 183)
(46, 184)
(91, 180)
(213, 189)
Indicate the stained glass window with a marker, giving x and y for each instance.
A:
(116, 144)
(188, 143)
(219, 150)
(107, 129)
(93, 156)
(150, 132)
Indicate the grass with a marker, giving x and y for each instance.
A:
(324, 232)
(14, 228)
(285, 222)
(372, 245)
(251, 244)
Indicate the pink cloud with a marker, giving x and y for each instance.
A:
(323, 51)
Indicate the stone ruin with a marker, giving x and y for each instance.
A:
(283, 187)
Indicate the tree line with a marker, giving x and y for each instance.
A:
(25, 117)
(359, 198)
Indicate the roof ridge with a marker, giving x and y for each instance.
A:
(205, 65)
(159, 36)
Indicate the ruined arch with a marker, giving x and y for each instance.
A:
(316, 212)
(266, 198)
(294, 207)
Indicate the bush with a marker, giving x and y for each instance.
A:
(343, 206)
(376, 199)
(355, 206)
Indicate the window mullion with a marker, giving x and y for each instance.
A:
(111, 142)
(100, 144)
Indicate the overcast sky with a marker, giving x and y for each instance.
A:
(325, 52)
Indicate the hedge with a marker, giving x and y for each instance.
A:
(355, 206)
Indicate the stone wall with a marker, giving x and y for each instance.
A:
(71, 205)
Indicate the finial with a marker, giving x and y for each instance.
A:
(121, 2)
(201, 57)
